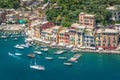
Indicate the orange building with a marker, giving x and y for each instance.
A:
(87, 20)
(109, 39)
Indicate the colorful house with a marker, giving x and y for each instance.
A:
(55, 34)
(109, 39)
(89, 38)
(98, 38)
(87, 20)
(64, 37)
(79, 34)
(46, 35)
(72, 36)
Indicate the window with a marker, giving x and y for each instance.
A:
(103, 44)
(99, 45)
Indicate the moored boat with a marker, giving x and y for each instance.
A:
(44, 49)
(37, 52)
(75, 58)
(19, 47)
(18, 54)
(37, 67)
(31, 55)
(62, 57)
(49, 58)
(59, 52)
(67, 63)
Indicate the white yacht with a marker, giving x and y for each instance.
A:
(19, 47)
(49, 58)
(37, 52)
(62, 57)
(44, 49)
(18, 54)
(10, 54)
(59, 52)
(37, 67)
(67, 63)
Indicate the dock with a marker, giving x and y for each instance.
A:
(75, 57)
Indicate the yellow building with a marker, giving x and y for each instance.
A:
(77, 34)
(55, 34)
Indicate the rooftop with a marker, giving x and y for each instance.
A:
(87, 15)
(111, 8)
(56, 27)
(99, 31)
(109, 31)
(63, 31)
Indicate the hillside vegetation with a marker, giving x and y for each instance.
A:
(66, 12)
(9, 3)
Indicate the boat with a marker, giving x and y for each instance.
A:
(74, 58)
(73, 51)
(18, 54)
(31, 55)
(62, 57)
(44, 49)
(10, 54)
(15, 38)
(49, 58)
(67, 63)
(19, 47)
(36, 66)
(25, 45)
(3, 36)
(37, 52)
(43, 46)
(59, 52)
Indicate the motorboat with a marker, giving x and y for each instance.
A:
(37, 67)
(10, 54)
(59, 52)
(18, 54)
(31, 55)
(44, 49)
(37, 52)
(15, 38)
(67, 63)
(75, 58)
(49, 58)
(19, 47)
(62, 57)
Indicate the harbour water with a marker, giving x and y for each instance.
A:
(88, 67)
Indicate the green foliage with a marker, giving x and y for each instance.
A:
(9, 3)
(69, 10)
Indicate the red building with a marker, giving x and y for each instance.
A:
(46, 25)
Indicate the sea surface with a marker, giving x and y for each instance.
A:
(90, 66)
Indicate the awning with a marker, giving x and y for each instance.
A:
(100, 48)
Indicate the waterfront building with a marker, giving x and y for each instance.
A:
(87, 20)
(64, 37)
(117, 27)
(46, 25)
(98, 38)
(2, 16)
(109, 39)
(73, 36)
(26, 2)
(55, 34)
(115, 11)
(46, 35)
(12, 17)
(89, 38)
(79, 34)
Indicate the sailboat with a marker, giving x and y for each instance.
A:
(37, 67)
